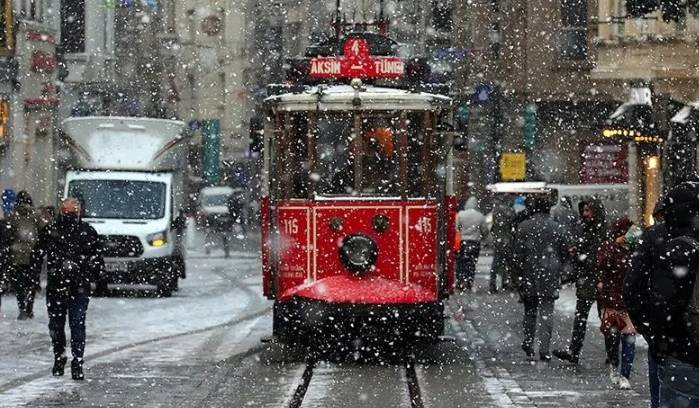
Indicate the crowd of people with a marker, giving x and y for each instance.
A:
(644, 281)
(67, 249)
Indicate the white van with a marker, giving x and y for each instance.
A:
(129, 178)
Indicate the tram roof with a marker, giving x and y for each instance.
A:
(342, 98)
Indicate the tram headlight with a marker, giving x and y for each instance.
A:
(358, 252)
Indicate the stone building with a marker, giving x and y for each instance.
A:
(29, 98)
(530, 61)
(659, 59)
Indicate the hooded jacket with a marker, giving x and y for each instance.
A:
(591, 234)
(655, 295)
(471, 223)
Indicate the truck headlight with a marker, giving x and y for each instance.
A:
(158, 239)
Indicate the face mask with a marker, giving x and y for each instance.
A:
(71, 218)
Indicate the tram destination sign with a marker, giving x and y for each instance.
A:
(356, 62)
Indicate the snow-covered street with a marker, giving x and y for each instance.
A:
(202, 348)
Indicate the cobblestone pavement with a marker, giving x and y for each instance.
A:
(479, 364)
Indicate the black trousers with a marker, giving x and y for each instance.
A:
(62, 303)
(25, 286)
(582, 310)
(540, 309)
(466, 264)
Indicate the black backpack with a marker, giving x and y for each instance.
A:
(680, 257)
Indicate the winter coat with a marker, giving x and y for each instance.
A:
(639, 289)
(613, 262)
(503, 226)
(73, 253)
(541, 246)
(471, 223)
(591, 234)
(567, 217)
(24, 234)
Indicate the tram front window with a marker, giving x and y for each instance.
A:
(373, 145)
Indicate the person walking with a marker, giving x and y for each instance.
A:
(502, 233)
(24, 234)
(471, 225)
(541, 245)
(564, 214)
(592, 233)
(613, 261)
(71, 248)
(661, 292)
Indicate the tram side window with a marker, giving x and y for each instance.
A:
(289, 158)
(298, 161)
(334, 165)
(416, 163)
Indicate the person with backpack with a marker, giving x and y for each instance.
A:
(661, 292)
(73, 255)
(613, 260)
(24, 234)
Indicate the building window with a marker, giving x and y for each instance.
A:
(442, 16)
(573, 35)
(73, 26)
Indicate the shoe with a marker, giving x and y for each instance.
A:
(624, 383)
(528, 351)
(76, 369)
(23, 315)
(59, 364)
(546, 357)
(613, 374)
(566, 355)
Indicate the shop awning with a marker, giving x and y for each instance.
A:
(633, 116)
(632, 121)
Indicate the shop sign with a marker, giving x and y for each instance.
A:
(357, 63)
(43, 62)
(513, 166)
(604, 164)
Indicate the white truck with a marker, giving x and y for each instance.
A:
(129, 177)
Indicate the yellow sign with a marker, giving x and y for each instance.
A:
(513, 166)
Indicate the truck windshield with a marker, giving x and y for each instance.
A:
(217, 200)
(122, 199)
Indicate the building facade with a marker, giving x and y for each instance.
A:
(29, 98)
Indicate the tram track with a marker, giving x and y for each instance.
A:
(411, 382)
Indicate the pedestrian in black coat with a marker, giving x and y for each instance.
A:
(72, 250)
(592, 232)
(657, 296)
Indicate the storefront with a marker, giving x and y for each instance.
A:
(632, 128)
(682, 146)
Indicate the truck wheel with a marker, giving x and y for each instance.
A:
(181, 268)
(101, 288)
(174, 284)
(164, 289)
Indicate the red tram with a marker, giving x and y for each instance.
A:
(357, 210)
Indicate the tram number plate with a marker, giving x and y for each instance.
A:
(116, 266)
